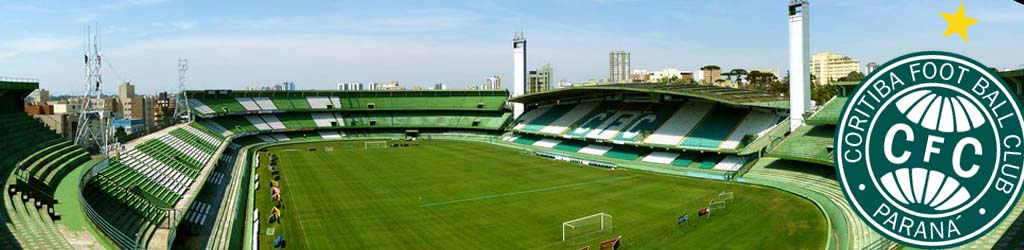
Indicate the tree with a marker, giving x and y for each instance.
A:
(853, 76)
(710, 67)
(673, 79)
(821, 93)
(779, 87)
(739, 73)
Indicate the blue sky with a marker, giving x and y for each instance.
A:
(233, 44)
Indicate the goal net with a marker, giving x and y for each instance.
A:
(588, 226)
(726, 195)
(375, 144)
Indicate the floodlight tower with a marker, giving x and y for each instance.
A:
(799, 58)
(182, 112)
(518, 71)
(93, 120)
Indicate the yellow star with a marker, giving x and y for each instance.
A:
(958, 22)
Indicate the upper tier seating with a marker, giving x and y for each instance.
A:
(626, 114)
(715, 127)
(264, 103)
(599, 115)
(647, 123)
(682, 121)
(208, 104)
(757, 123)
(548, 117)
(691, 124)
(383, 119)
(568, 119)
(42, 158)
(528, 117)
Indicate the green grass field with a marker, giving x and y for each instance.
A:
(468, 195)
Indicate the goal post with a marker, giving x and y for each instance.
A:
(726, 195)
(586, 226)
(375, 144)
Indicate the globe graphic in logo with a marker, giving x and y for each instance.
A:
(929, 150)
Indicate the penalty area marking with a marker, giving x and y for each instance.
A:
(552, 188)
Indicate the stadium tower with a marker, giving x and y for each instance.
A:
(93, 121)
(518, 71)
(799, 58)
(182, 113)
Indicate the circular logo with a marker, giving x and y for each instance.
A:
(929, 149)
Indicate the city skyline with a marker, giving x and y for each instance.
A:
(234, 45)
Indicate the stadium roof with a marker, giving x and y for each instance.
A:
(828, 114)
(18, 83)
(1013, 77)
(726, 95)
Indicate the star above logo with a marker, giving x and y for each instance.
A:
(958, 22)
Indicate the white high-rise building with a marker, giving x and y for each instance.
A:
(288, 85)
(828, 67)
(494, 82)
(518, 71)
(870, 68)
(354, 86)
(799, 59)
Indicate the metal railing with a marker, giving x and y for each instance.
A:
(116, 236)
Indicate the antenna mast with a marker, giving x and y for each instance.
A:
(93, 121)
(182, 112)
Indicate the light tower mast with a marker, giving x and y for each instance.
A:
(182, 112)
(93, 121)
(799, 60)
(518, 71)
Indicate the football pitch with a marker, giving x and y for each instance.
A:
(469, 195)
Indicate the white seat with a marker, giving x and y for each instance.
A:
(528, 117)
(248, 103)
(547, 143)
(318, 102)
(563, 123)
(680, 124)
(594, 149)
(264, 103)
(661, 157)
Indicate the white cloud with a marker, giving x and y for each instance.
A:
(175, 26)
(84, 18)
(184, 25)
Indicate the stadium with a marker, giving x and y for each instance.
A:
(610, 165)
(446, 169)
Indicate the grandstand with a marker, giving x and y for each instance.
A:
(671, 124)
(802, 162)
(212, 103)
(36, 161)
(195, 185)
